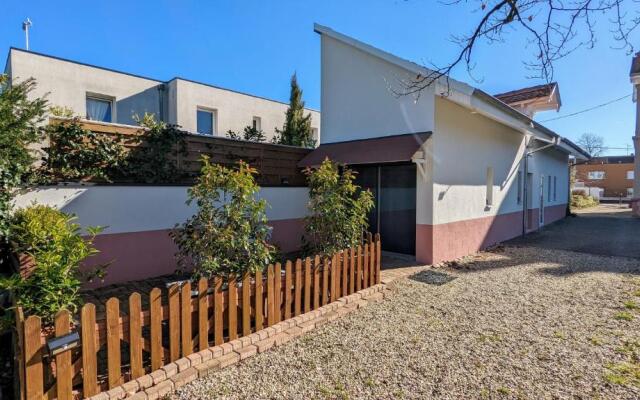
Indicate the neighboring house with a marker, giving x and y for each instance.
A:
(446, 167)
(614, 174)
(102, 94)
(635, 80)
(534, 99)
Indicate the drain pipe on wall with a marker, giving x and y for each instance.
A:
(525, 189)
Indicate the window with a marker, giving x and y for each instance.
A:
(596, 175)
(630, 175)
(257, 123)
(549, 189)
(489, 186)
(629, 192)
(206, 122)
(99, 109)
(519, 187)
(555, 188)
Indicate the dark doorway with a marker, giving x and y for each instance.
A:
(394, 214)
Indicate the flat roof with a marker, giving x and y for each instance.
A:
(141, 76)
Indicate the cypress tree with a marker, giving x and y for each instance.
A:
(297, 126)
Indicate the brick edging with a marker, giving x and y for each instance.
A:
(180, 372)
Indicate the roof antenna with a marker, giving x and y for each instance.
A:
(25, 27)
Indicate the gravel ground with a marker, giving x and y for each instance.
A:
(514, 323)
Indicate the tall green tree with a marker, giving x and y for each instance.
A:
(297, 126)
(20, 126)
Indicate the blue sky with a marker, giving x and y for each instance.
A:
(255, 46)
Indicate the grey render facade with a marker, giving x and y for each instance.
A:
(86, 88)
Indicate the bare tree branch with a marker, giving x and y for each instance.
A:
(555, 29)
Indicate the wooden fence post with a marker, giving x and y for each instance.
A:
(378, 258)
(186, 331)
(307, 285)
(246, 304)
(18, 387)
(359, 269)
(365, 267)
(174, 323)
(155, 306)
(277, 293)
(113, 343)
(232, 307)
(89, 351)
(34, 374)
(218, 323)
(372, 263)
(64, 372)
(297, 298)
(287, 290)
(352, 270)
(203, 314)
(345, 272)
(316, 283)
(259, 305)
(135, 336)
(270, 296)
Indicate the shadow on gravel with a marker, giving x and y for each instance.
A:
(432, 278)
(611, 267)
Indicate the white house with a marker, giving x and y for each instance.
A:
(106, 95)
(452, 170)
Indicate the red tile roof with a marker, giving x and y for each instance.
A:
(530, 93)
(379, 150)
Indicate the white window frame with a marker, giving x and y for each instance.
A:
(630, 192)
(489, 193)
(256, 123)
(555, 188)
(105, 98)
(630, 175)
(214, 122)
(596, 175)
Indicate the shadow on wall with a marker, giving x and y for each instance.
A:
(147, 101)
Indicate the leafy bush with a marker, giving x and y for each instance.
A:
(150, 161)
(338, 209)
(75, 153)
(250, 134)
(229, 233)
(20, 119)
(57, 248)
(581, 200)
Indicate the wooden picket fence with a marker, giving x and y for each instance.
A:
(119, 347)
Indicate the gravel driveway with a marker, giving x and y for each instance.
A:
(514, 323)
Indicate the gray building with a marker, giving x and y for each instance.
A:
(106, 95)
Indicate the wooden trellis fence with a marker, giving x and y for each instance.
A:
(190, 317)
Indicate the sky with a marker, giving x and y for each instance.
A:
(255, 46)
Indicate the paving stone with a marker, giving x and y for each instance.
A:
(247, 352)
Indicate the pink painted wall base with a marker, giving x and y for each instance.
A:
(443, 242)
(136, 256)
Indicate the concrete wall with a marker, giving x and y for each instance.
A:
(138, 220)
(358, 100)
(234, 110)
(67, 84)
(464, 145)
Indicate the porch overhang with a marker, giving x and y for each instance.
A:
(380, 150)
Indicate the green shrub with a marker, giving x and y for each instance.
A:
(249, 133)
(75, 153)
(20, 119)
(579, 199)
(338, 210)
(53, 241)
(149, 161)
(229, 232)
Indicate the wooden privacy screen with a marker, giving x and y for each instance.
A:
(189, 318)
(277, 164)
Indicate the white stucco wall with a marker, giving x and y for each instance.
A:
(67, 84)
(147, 208)
(234, 111)
(358, 100)
(465, 144)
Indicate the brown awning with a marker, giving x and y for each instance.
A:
(386, 149)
